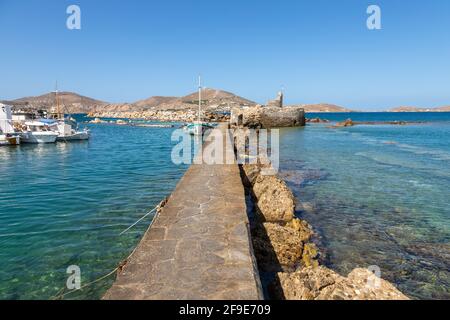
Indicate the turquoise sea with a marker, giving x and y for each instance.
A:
(66, 204)
(375, 194)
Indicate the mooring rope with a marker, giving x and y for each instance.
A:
(61, 294)
(139, 220)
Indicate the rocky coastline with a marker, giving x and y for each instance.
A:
(288, 260)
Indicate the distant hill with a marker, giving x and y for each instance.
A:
(416, 109)
(75, 103)
(72, 102)
(154, 101)
(324, 107)
(216, 96)
(211, 99)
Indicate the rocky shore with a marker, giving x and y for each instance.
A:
(287, 258)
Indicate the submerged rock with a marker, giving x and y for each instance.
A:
(317, 120)
(310, 254)
(321, 283)
(346, 123)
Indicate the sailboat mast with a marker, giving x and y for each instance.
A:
(58, 111)
(199, 96)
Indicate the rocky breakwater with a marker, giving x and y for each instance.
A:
(287, 257)
(288, 260)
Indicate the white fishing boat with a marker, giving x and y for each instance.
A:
(8, 136)
(38, 132)
(66, 127)
(67, 132)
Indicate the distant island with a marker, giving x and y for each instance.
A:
(416, 109)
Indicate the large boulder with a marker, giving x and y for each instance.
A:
(321, 283)
(274, 200)
(276, 247)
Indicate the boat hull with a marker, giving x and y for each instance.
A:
(9, 140)
(78, 136)
(14, 141)
(39, 137)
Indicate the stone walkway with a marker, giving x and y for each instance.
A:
(198, 247)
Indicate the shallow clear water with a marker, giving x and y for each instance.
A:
(66, 204)
(377, 195)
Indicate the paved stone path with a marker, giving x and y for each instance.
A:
(199, 245)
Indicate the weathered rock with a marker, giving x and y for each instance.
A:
(274, 200)
(276, 247)
(346, 123)
(317, 120)
(302, 227)
(97, 120)
(251, 172)
(310, 254)
(321, 283)
(268, 117)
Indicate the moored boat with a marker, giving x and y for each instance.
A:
(38, 132)
(197, 128)
(66, 127)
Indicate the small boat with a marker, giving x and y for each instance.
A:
(66, 130)
(38, 132)
(66, 127)
(197, 128)
(69, 133)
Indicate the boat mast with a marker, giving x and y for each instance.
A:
(58, 111)
(199, 97)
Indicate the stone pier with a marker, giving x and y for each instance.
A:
(198, 247)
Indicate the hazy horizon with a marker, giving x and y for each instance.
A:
(318, 51)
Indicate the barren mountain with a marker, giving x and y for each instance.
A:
(72, 102)
(211, 99)
(324, 107)
(154, 101)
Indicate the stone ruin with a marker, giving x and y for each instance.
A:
(278, 102)
(274, 115)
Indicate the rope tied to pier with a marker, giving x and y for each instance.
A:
(157, 209)
(61, 294)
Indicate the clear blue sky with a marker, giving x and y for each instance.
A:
(319, 50)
